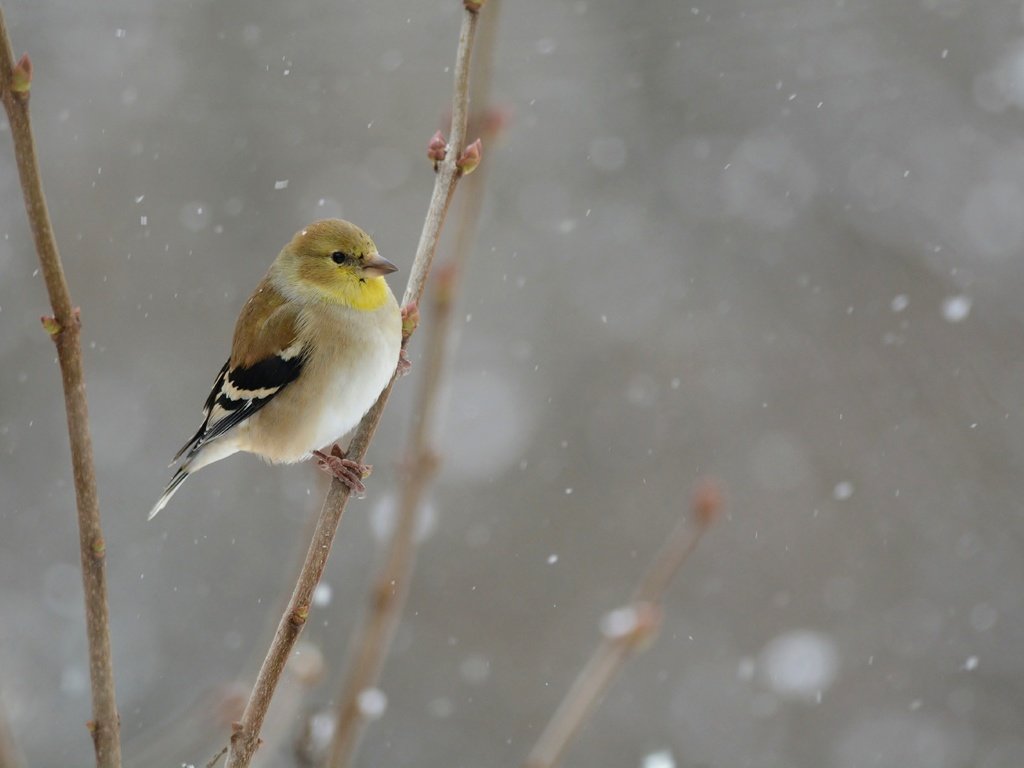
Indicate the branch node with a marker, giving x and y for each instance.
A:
(437, 149)
(410, 319)
(707, 503)
(51, 326)
(21, 77)
(470, 158)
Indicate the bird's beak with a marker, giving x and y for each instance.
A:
(378, 266)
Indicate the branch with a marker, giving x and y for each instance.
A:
(65, 329)
(245, 738)
(626, 631)
(216, 758)
(371, 640)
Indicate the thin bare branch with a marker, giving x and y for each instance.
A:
(625, 631)
(216, 758)
(371, 641)
(65, 329)
(245, 738)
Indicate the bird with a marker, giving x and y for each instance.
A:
(313, 348)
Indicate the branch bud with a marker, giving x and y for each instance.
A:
(707, 503)
(410, 319)
(437, 149)
(474, 6)
(470, 159)
(21, 75)
(50, 325)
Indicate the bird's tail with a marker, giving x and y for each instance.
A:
(176, 481)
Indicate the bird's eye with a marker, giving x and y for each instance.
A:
(338, 257)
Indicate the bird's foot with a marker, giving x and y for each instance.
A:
(404, 364)
(351, 473)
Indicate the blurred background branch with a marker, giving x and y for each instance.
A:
(371, 642)
(626, 631)
(245, 739)
(64, 328)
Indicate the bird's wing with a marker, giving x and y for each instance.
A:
(267, 355)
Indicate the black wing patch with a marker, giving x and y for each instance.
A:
(240, 392)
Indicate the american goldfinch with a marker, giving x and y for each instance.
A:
(314, 347)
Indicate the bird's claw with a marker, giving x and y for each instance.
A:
(337, 465)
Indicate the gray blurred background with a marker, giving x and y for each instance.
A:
(774, 241)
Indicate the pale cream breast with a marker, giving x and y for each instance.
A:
(355, 355)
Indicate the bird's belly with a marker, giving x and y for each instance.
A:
(336, 387)
(354, 392)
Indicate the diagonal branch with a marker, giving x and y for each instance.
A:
(65, 329)
(627, 631)
(372, 639)
(245, 738)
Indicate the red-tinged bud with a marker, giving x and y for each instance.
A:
(474, 6)
(21, 75)
(707, 503)
(437, 149)
(470, 159)
(410, 318)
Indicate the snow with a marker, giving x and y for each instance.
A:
(619, 623)
(385, 511)
(843, 490)
(662, 759)
(800, 665)
(194, 216)
(372, 703)
(322, 594)
(955, 309)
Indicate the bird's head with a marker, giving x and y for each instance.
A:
(334, 261)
